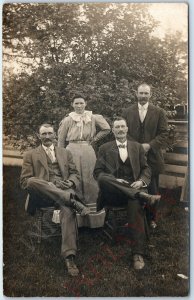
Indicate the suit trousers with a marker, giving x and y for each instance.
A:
(115, 193)
(52, 196)
(154, 184)
(153, 189)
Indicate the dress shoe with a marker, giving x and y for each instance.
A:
(80, 207)
(138, 262)
(152, 199)
(71, 266)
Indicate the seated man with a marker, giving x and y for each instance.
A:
(123, 175)
(50, 177)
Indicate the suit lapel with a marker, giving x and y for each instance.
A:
(136, 113)
(60, 159)
(136, 122)
(115, 154)
(149, 114)
(59, 156)
(131, 156)
(42, 157)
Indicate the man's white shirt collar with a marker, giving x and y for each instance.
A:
(119, 143)
(51, 147)
(145, 106)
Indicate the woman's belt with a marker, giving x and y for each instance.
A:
(80, 142)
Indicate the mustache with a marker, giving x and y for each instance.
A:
(121, 131)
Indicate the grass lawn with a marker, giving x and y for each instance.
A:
(38, 270)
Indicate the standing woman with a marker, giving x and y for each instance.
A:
(77, 132)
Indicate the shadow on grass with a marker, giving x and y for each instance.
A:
(38, 270)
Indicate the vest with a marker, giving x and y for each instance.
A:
(54, 170)
(125, 170)
(141, 139)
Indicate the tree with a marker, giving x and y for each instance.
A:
(103, 50)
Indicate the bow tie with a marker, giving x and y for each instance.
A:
(122, 146)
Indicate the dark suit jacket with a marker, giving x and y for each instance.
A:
(107, 162)
(35, 165)
(155, 130)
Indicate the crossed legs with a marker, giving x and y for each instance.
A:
(117, 194)
(53, 195)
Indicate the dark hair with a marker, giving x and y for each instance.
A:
(45, 125)
(118, 119)
(78, 96)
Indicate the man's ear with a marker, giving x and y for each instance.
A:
(38, 135)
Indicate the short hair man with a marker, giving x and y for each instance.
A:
(147, 124)
(123, 175)
(50, 177)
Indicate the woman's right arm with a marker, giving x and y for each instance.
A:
(62, 132)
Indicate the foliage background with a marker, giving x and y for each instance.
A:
(102, 50)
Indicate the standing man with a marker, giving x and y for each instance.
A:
(147, 124)
(123, 175)
(50, 177)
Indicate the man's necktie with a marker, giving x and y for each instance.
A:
(122, 146)
(142, 114)
(48, 151)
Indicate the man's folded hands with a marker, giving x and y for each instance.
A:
(63, 184)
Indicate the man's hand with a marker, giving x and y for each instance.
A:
(137, 184)
(64, 184)
(146, 147)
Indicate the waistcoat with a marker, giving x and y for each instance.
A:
(125, 170)
(54, 170)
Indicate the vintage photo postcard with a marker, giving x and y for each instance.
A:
(95, 149)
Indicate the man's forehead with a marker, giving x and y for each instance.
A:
(119, 122)
(46, 129)
(144, 88)
(79, 100)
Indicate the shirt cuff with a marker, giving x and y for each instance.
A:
(73, 186)
(144, 184)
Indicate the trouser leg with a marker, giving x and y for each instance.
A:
(116, 194)
(108, 182)
(67, 214)
(153, 189)
(154, 184)
(136, 226)
(69, 231)
(49, 190)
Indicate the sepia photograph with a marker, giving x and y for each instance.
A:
(95, 149)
